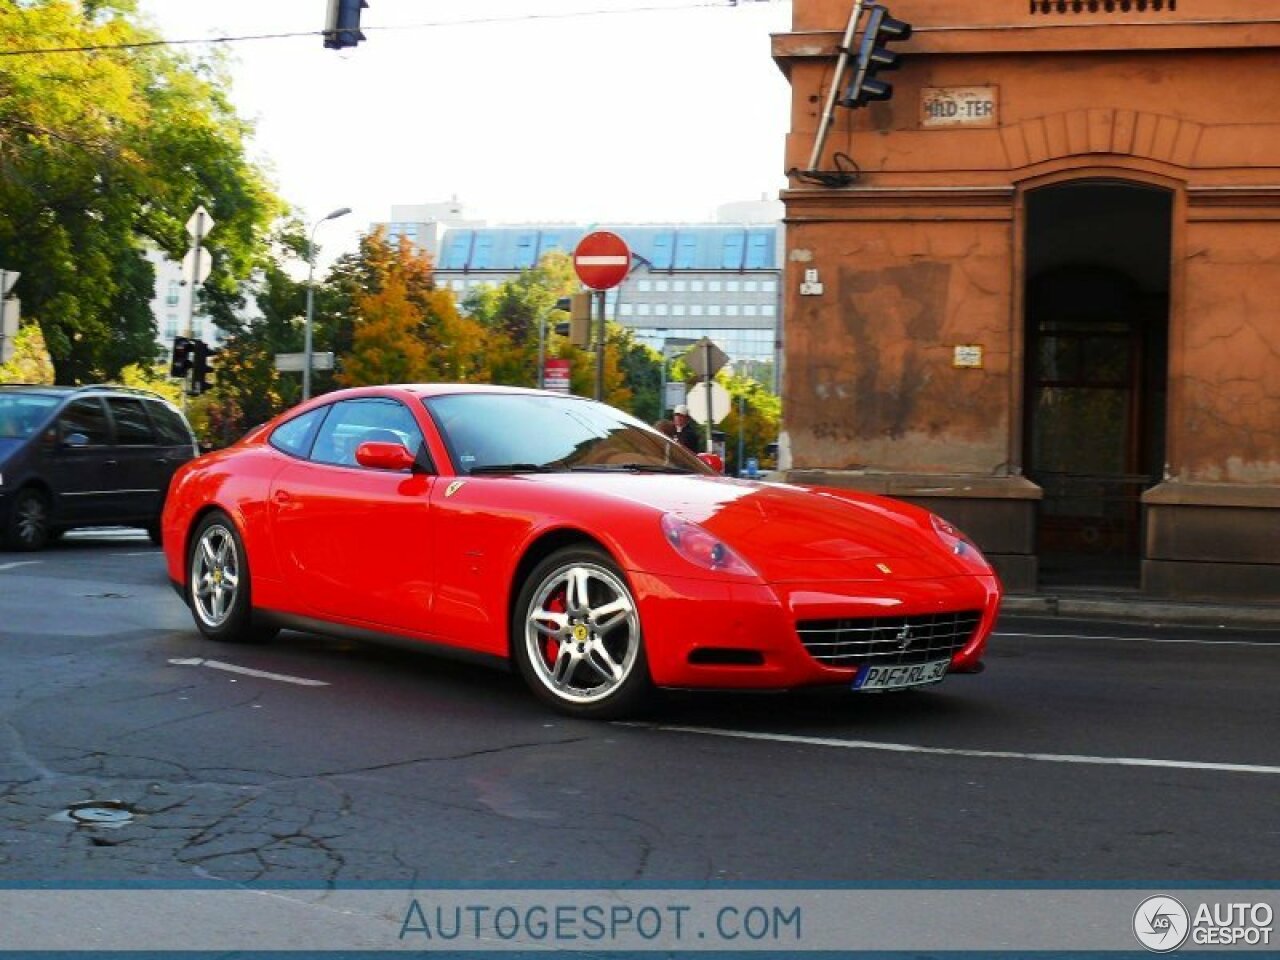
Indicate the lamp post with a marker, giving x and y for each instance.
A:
(311, 299)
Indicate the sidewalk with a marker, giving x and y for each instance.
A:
(1130, 606)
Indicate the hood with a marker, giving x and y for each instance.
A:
(793, 533)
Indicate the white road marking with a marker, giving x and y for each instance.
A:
(1092, 636)
(961, 752)
(246, 671)
(18, 563)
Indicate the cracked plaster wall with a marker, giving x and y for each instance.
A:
(870, 383)
(1230, 362)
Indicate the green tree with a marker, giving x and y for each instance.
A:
(104, 155)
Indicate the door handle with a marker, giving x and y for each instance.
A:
(111, 463)
(282, 497)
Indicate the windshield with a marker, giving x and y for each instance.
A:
(531, 433)
(22, 413)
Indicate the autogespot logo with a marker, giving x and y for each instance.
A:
(1161, 924)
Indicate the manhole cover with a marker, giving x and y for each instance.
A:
(96, 813)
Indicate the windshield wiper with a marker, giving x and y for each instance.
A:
(628, 468)
(514, 468)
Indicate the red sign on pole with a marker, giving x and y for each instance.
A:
(602, 260)
(556, 376)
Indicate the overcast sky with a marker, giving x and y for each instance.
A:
(621, 113)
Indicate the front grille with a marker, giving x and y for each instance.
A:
(918, 639)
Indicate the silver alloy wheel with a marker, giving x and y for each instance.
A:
(215, 575)
(31, 520)
(582, 633)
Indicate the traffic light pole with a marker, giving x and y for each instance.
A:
(828, 112)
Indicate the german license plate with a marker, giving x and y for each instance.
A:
(899, 675)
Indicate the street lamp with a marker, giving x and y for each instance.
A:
(311, 299)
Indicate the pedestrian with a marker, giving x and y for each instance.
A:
(686, 432)
(666, 428)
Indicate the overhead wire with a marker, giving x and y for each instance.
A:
(426, 25)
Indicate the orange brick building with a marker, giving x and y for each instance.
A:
(1044, 299)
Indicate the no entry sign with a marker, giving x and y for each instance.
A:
(602, 260)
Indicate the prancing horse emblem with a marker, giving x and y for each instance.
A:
(904, 637)
(454, 488)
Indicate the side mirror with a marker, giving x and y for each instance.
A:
(384, 456)
(72, 440)
(713, 461)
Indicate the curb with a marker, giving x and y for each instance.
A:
(1146, 611)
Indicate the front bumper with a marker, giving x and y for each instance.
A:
(714, 634)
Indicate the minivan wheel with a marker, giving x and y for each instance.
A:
(218, 583)
(28, 526)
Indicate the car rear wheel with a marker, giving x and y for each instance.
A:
(28, 526)
(576, 636)
(218, 583)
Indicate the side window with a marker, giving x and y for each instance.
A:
(86, 417)
(133, 429)
(354, 422)
(294, 436)
(169, 424)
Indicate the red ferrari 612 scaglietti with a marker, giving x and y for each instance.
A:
(568, 537)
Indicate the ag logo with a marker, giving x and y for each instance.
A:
(1161, 924)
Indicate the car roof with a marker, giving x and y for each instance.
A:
(55, 390)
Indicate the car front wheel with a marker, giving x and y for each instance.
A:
(576, 636)
(28, 525)
(218, 583)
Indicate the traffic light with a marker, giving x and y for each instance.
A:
(874, 56)
(183, 354)
(201, 356)
(342, 24)
(578, 329)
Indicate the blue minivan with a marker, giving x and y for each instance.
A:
(85, 457)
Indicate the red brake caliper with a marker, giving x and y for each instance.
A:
(550, 645)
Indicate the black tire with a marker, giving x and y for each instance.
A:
(579, 662)
(218, 584)
(27, 527)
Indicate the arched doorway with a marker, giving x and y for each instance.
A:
(1098, 256)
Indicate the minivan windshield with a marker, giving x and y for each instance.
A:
(22, 413)
(536, 433)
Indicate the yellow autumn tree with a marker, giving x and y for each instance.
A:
(387, 346)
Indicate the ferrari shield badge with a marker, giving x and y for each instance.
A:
(884, 568)
(454, 488)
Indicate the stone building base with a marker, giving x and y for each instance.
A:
(1212, 542)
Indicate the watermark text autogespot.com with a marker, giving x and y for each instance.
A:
(564, 924)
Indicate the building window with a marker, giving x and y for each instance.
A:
(714, 310)
(732, 286)
(768, 310)
(678, 286)
(749, 310)
(625, 310)
(697, 286)
(660, 310)
(731, 310)
(644, 286)
(750, 286)
(661, 286)
(696, 310)
(678, 310)
(714, 286)
(642, 309)
(768, 286)
(172, 297)
(171, 325)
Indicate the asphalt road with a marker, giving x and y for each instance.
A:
(1085, 753)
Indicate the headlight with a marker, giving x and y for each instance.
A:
(950, 535)
(699, 547)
